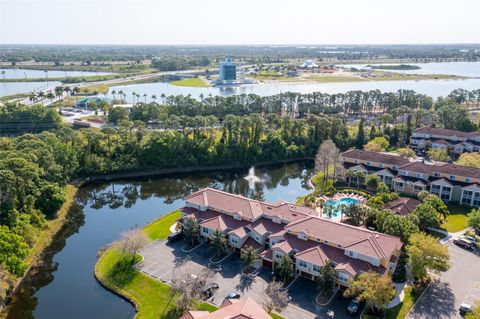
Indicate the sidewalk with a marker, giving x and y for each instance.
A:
(400, 287)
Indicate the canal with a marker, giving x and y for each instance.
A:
(64, 285)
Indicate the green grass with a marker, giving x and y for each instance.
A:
(192, 82)
(275, 316)
(401, 310)
(457, 220)
(160, 229)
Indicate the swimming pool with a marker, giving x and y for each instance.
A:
(337, 211)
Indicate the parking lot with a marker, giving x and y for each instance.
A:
(161, 259)
(461, 283)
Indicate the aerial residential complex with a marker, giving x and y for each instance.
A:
(285, 228)
(455, 141)
(450, 182)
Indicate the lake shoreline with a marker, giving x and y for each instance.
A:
(152, 172)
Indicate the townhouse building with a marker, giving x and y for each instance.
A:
(284, 228)
(450, 182)
(457, 142)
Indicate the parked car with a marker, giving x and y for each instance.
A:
(175, 236)
(472, 239)
(463, 242)
(232, 295)
(465, 308)
(207, 290)
(353, 306)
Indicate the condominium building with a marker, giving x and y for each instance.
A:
(284, 228)
(455, 141)
(232, 309)
(227, 71)
(450, 182)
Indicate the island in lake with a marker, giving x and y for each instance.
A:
(395, 67)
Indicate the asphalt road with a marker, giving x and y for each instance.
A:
(461, 283)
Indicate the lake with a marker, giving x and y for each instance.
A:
(10, 88)
(433, 88)
(64, 286)
(40, 74)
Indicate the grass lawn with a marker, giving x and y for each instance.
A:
(457, 220)
(193, 82)
(160, 229)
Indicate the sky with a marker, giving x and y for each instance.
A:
(239, 22)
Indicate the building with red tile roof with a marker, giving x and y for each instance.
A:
(285, 228)
(232, 309)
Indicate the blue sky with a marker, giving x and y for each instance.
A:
(239, 22)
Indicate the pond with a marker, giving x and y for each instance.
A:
(40, 74)
(64, 286)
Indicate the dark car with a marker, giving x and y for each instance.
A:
(353, 306)
(463, 242)
(207, 290)
(232, 295)
(175, 236)
(465, 308)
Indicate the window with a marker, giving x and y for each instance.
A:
(278, 255)
(381, 165)
(368, 163)
(476, 199)
(468, 180)
(257, 238)
(395, 167)
(325, 241)
(467, 197)
(435, 189)
(205, 230)
(234, 240)
(419, 175)
(302, 264)
(452, 177)
(316, 268)
(417, 188)
(356, 161)
(350, 253)
(436, 174)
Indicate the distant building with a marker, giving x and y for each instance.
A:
(308, 64)
(228, 71)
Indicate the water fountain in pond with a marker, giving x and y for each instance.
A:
(252, 178)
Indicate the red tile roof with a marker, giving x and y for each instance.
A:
(250, 242)
(223, 223)
(376, 157)
(356, 239)
(445, 132)
(227, 202)
(402, 205)
(232, 309)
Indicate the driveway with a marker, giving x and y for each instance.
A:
(461, 283)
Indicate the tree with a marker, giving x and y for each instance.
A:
(375, 289)
(191, 230)
(13, 250)
(132, 241)
(428, 217)
(469, 159)
(275, 297)
(360, 176)
(326, 279)
(426, 253)
(117, 114)
(327, 156)
(378, 144)
(50, 200)
(217, 242)
(474, 312)
(438, 155)
(285, 268)
(474, 220)
(360, 134)
(355, 215)
(406, 152)
(437, 204)
(250, 256)
(372, 181)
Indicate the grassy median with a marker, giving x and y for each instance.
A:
(192, 82)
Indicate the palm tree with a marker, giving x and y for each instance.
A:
(50, 96)
(218, 243)
(359, 175)
(134, 95)
(32, 97)
(114, 93)
(145, 97)
(3, 74)
(191, 229)
(41, 95)
(250, 256)
(120, 92)
(285, 268)
(46, 75)
(154, 98)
